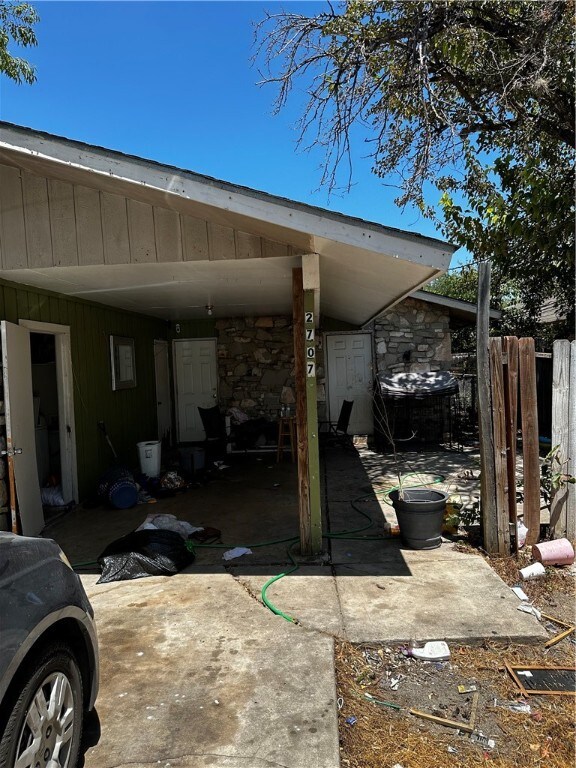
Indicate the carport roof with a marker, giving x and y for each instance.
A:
(365, 267)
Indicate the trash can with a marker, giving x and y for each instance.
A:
(149, 454)
(192, 459)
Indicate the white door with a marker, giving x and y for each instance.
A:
(196, 384)
(20, 434)
(349, 368)
(163, 401)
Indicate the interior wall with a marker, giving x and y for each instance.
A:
(129, 414)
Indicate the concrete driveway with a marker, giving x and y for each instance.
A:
(196, 671)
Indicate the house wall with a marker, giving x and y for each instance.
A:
(413, 337)
(50, 223)
(256, 364)
(129, 414)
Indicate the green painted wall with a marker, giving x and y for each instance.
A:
(130, 414)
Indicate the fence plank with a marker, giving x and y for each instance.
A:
(531, 459)
(560, 431)
(510, 352)
(499, 427)
(487, 475)
(571, 505)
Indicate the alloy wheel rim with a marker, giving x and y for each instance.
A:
(45, 739)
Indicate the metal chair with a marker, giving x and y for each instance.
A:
(215, 428)
(339, 430)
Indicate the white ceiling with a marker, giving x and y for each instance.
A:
(350, 291)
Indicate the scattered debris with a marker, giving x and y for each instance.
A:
(528, 608)
(557, 638)
(436, 650)
(569, 629)
(479, 738)
(382, 703)
(556, 552)
(520, 594)
(442, 720)
(533, 571)
(514, 706)
(474, 709)
(452, 750)
(467, 688)
(536, 680)
(230, 554)
(351, 720)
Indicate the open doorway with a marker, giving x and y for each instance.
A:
(46, 419)
(53, 409)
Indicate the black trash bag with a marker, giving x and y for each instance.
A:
(144, 553)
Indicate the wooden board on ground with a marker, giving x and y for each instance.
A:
(544, 681)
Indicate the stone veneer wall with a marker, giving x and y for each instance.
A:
(256, 364)
(413, 337)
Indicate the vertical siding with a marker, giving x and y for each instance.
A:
(130, 414)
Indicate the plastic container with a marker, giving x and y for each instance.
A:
(557, 552)
(420, 515)
(118, 487)
(149, 454)
(192, 459)
(435, 650)
(533, 571)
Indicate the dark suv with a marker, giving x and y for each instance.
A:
(48, 655)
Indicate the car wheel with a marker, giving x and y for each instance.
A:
(44, 726)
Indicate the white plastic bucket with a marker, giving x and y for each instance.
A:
(533, 571)
(149, 454)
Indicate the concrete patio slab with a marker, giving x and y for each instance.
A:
(196, 673)
(195, 670)
(309, 595)
(437, 594)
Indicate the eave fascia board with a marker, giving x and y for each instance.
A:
(451, 303)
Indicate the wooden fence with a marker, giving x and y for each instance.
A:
(512, 409)
(563, 505)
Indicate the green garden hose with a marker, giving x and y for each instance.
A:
(293, 540)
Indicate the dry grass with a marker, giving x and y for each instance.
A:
(382, 737)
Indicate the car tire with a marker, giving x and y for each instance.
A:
(44, 725)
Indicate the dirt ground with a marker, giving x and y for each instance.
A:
(374, 735)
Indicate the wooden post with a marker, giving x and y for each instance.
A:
(571, 506)
(499, 426)
(560, 431)
(312, 424)
(487, 474)
(306, 422)
(531, 459)
(510, 353)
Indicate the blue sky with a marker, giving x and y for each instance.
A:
(174, 82)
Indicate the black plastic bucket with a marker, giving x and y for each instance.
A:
(420, 516)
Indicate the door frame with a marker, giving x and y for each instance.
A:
(326, 363)
(175, 375)
(65, 384)
(166, 348)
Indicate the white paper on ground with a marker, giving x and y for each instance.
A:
(520, 594)
(236, 552)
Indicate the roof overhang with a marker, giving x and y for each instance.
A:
(364, 267)
(463, 311)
